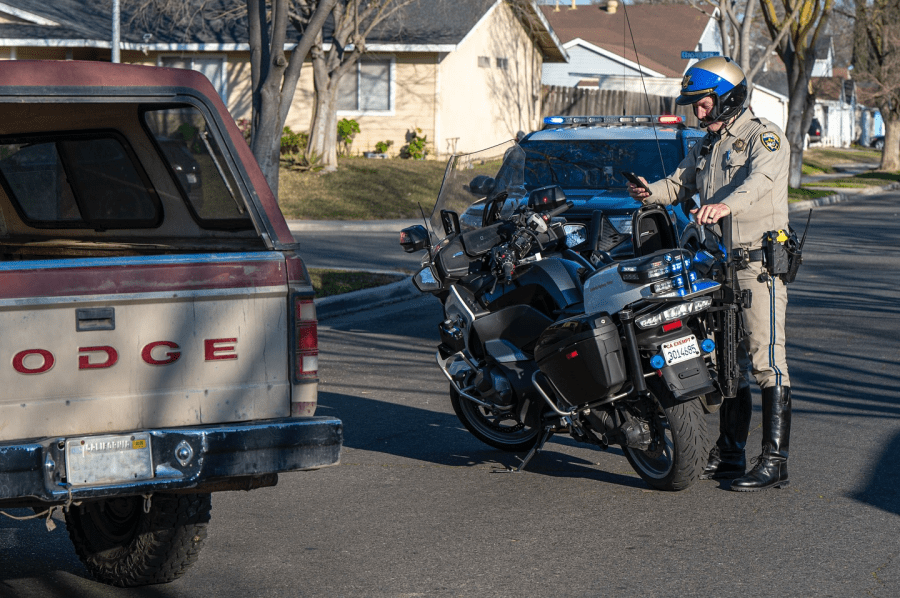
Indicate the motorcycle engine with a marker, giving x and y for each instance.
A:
(490, 384)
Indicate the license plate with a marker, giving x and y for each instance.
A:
(680, 350)
(98, 460)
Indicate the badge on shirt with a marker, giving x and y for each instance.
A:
(770, 141)
(739, 145)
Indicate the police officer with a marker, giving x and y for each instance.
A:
(741, 168)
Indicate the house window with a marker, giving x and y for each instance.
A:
(484, 62)
(369, 89)
(212, 67)
(503, 63)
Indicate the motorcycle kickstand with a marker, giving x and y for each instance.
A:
(548, 431)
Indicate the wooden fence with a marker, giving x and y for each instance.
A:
(575, 101)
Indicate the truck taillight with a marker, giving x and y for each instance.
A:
(306, 339)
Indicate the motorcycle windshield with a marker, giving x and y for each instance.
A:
(473, 181)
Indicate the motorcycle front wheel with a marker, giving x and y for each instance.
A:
(499, 430)
(675, 457)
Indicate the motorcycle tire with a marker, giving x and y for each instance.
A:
(506, 434)
(676, 458)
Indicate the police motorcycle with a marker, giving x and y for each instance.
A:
(544, 333)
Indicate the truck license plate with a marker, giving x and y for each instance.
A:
(97, 460)
(680, 349)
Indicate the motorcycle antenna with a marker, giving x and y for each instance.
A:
(428, 229)
(806, 230)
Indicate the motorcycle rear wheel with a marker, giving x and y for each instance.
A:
(676, 457)
(501, 432)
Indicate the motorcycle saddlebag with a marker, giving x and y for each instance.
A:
(583, 357)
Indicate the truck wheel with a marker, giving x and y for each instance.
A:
(121, 545)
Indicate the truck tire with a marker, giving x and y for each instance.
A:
(123, 546)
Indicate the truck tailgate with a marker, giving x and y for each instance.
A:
(106, 344)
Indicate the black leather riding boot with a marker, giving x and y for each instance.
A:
(727, 459)
(771, 466)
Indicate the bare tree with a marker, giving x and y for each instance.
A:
(274, 76)
(353, 21)
(876, 61)
(736, 20)
(797, 52)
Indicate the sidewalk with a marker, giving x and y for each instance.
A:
(338, 305)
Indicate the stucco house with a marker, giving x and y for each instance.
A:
(465, 73)
(598, 39)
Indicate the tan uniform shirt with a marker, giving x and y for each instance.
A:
(744, 166)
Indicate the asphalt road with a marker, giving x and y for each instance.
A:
(415, 510)
(360, 246)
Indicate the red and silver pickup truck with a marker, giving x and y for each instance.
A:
(158, 336)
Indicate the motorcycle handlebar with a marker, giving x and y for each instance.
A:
(556, 212)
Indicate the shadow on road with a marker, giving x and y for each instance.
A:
(881, 490)
(439, 438)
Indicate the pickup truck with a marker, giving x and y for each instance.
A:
(159, 335)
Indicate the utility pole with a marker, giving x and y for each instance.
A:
(115, 32)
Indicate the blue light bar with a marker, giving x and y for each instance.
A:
(588, 120)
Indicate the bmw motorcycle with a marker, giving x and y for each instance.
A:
(545, 333)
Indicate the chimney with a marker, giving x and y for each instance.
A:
(612, 6)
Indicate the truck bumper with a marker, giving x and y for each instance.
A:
(204, 458)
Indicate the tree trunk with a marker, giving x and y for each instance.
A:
(800, 114)
(266, 141)
(890, 155)
(327, 73)
(323, 128)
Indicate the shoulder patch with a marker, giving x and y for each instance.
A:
(771, 141)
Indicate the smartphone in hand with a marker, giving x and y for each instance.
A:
(632, 178)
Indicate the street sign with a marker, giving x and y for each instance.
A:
(698, 55)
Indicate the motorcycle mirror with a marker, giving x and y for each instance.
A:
(482, 185)
(546, 198)
(413, 238)
(450, 221)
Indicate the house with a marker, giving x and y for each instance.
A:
(843, 121)
(602, 54)
(465, 73)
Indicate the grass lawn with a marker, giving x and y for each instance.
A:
(819, 160)
(362, 189)
(334, 282)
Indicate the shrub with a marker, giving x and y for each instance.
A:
(293, 143)
(382, 146)
(244, 127)
(346, 130)
(416, 147)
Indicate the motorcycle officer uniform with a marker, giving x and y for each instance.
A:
(742, 164)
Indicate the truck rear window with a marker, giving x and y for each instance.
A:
(199, 167)
(77, 180)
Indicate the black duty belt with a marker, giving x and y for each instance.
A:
(755, 255)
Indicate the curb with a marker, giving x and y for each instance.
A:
(378, 226)
(339, 305)
(839, 197)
